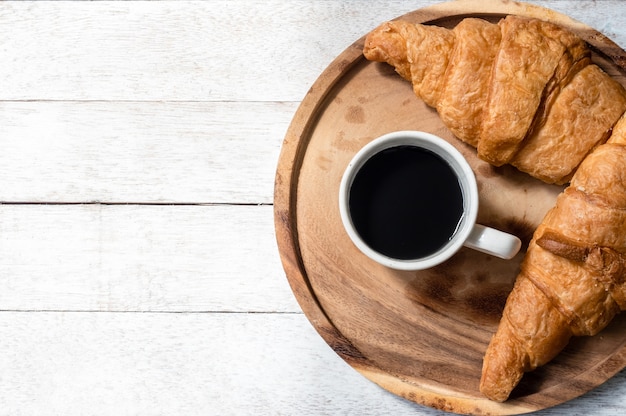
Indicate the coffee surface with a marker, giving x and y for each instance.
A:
(406, 202)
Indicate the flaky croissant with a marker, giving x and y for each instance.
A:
(523, 91)
(573, 277)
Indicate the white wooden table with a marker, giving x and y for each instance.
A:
(139, 273)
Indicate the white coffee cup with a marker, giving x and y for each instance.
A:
(404, 172)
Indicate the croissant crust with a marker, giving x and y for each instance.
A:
(573, 278)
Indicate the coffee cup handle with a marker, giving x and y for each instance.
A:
(491, 241)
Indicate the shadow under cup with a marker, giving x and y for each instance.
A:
(408, 200)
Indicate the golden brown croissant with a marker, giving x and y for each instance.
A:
(573, 277)
(523, 91)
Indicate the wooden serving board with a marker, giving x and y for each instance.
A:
(420, 335)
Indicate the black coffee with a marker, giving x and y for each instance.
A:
(406, 202)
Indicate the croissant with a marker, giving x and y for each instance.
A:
(573, 278)
(522, 91)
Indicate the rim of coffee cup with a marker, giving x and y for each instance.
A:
(456, 161)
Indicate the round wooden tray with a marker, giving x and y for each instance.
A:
(420, 335)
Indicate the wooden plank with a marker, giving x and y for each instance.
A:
(141, 258)
(191, 364)
(140, 152)
(198, 364)
(210, 51)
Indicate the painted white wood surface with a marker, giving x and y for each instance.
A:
(183, 152)
(96, 257)
(138, 267)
